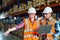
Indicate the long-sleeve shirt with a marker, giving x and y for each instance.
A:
(20, 25)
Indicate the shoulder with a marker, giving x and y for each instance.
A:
(52, 19)
(25, 19)
(41, 18)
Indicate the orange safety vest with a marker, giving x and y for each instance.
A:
(51, 21)
(28, 30)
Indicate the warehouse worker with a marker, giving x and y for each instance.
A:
(30, 24)
(47, 19)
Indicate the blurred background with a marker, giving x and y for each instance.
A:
(12, 12)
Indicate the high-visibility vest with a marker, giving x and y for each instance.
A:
(29, 28)
(52, 22)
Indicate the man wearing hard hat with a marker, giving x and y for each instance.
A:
(47, 19)
(30, 24)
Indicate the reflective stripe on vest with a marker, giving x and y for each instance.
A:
(28, 31)
(27, 27)
(29, 35)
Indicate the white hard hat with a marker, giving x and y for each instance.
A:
(48, 10)
(31, 10)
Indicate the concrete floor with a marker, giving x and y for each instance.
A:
(9, 37)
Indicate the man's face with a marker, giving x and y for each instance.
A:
(32, 15)
(47, 15)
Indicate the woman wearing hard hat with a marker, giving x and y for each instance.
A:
(30, 24)
(47, 19)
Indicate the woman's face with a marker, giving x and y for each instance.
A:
(47, 15)
(32, 15)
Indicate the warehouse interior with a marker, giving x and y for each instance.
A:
(12, 12)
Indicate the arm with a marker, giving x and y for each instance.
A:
(14, 28)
